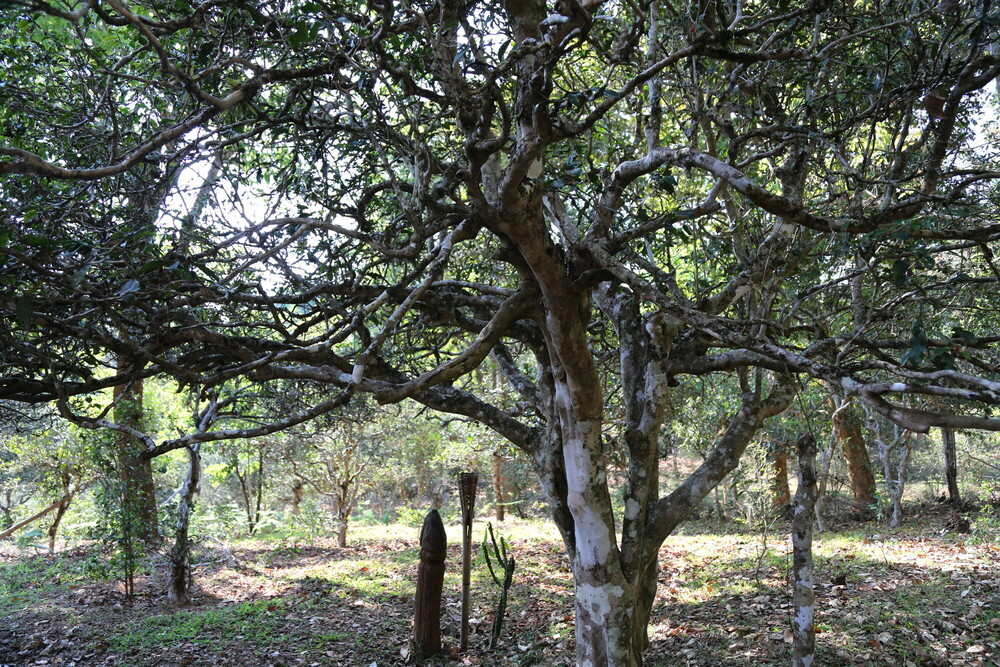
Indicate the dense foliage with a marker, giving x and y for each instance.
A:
(541, 217)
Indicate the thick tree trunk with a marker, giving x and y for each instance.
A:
(180, 555)
(803, 630)
(951, 465)
(498, 499)
(859, 467)
(342, 534)
(136, 473)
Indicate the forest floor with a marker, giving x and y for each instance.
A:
(918, 596)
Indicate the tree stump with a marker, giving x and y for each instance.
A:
(430, 580)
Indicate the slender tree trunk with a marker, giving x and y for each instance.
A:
(804, 632)
(951, 465)
(6, 509)
(136, 472)
(345, 506)
(252, 489)
(859, 466)
(260, 486)
(180, 556)
(13, 529)
(60, 512)
(781, 495)
(824, 476)
(895, 476)
(498, 499)
(298, 492)
(900, 485)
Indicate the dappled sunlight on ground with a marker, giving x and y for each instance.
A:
(913, 598)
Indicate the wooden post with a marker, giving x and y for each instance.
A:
(467, 482)
(430, 580)
(804, 597)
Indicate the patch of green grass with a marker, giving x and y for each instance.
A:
(26, 582)
(378, 579)
(257, 623)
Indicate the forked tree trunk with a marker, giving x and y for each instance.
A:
(951, 465)
(68, 494)
(180, 555)
(894, 476)
(615, 586)
(252, 490)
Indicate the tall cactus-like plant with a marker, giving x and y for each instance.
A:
(502, 574)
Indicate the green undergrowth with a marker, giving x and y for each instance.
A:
(257, 623)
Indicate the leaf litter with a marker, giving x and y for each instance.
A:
(722, 600)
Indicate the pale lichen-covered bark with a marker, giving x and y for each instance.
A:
(180, 555)
(804, 633)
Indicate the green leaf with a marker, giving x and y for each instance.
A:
(899, 271)
(24, 308)
(964, 335)
(943, 358)
(914, 356)
(152, 266)
(301, 34)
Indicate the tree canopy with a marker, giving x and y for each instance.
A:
(597, 201)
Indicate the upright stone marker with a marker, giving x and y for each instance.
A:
(430, 579)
